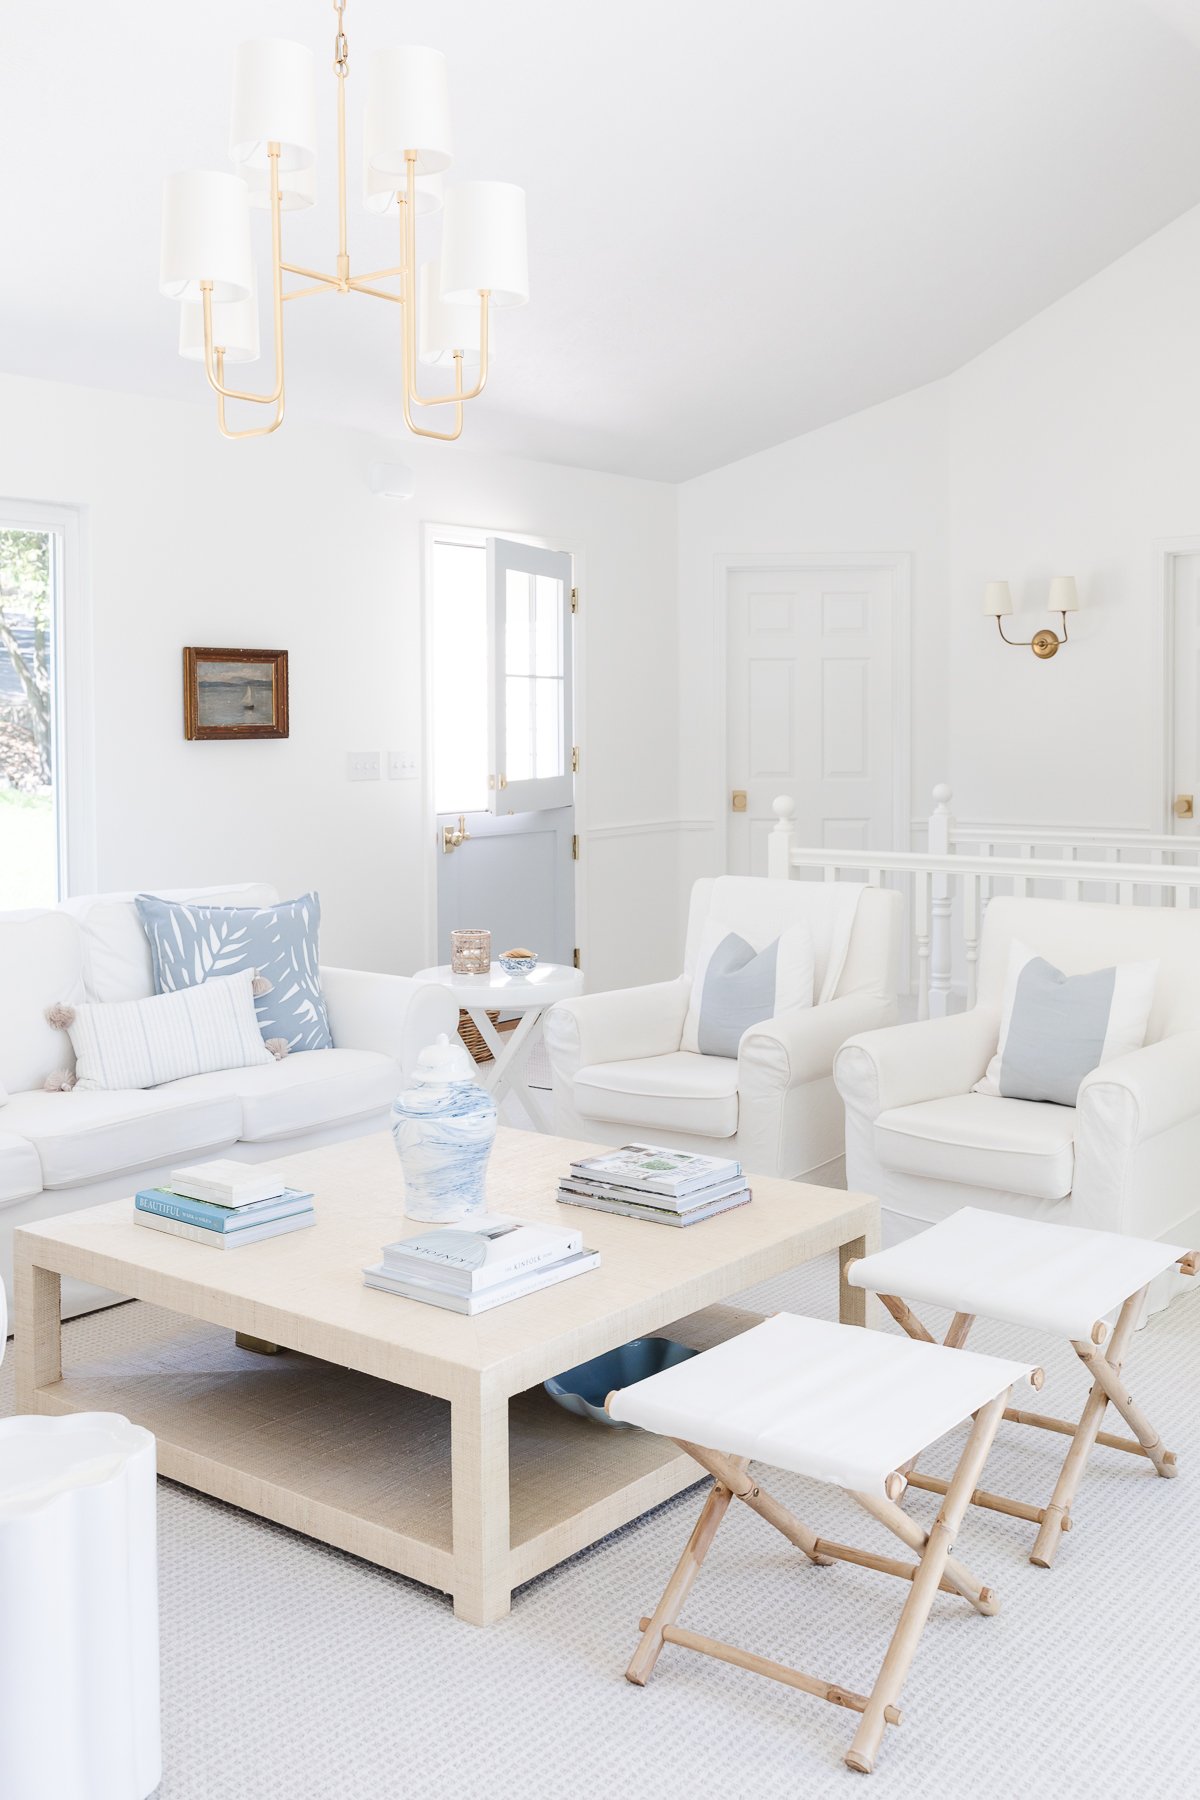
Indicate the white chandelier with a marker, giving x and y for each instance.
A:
(206, 252)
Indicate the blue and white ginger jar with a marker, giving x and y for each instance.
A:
(443, 1127)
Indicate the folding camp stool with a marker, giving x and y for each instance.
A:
(1055, 1278)
(843, 1406)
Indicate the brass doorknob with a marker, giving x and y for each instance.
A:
(739, 800)
(454, 835)
(1183, 807)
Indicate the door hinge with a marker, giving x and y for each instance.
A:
(575, 759)
(575, 847)
(574, 599)
(575, 962)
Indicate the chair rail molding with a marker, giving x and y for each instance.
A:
(726, 564)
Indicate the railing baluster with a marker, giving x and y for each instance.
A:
(922, 912)
(971, 911)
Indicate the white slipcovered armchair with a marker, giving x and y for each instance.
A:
(1125, 1157)
(619, 1071)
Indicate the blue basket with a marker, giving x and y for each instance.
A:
(585, 1388)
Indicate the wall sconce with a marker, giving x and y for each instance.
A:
(1064, 598)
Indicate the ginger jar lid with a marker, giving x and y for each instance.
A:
(442, 1064)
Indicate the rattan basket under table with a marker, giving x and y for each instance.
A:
(471, 1036)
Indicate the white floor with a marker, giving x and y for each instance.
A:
(293, 1672)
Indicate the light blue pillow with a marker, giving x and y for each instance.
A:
(188, 943)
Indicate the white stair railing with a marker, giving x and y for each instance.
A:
(947, 888)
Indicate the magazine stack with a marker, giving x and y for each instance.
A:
(667, 1187)
(473, 1267)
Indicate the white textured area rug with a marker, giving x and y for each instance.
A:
(294, 1672)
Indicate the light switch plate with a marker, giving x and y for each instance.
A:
(401, 766)
(362, 765)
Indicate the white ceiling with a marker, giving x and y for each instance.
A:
(746, 219)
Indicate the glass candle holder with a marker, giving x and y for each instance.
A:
(470, 952)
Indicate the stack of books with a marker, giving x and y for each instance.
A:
(668, 1187)
(471, 1268)
(225, 1205)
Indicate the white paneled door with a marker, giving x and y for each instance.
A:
(810, 707)
(1185, 800)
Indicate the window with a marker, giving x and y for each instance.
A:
(32, 827)
(500, 692)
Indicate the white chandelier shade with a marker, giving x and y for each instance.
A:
(408, 108)
(205, 236)
(442, 329)
(296, 189)
(483, 244)
(383, 193)
(234, 330)
(274, 101)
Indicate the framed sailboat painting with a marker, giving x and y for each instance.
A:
(235, 693)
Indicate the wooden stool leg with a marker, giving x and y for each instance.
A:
(896, 1664)
(1056, 1514)
(679, 1586)
(1119, 1395)
(731, 1471)
(909, 1532)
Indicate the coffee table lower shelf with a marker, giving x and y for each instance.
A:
(358, 1462)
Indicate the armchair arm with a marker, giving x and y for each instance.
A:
(922, 1061)
(610, 1027)
(389, 1013)
(1144, 1092)
(800, 1045)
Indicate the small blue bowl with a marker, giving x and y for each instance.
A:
(518, 965)
(585, 1388)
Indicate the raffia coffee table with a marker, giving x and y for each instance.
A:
(411, 1436)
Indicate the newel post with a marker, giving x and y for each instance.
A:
(941, 825)
(780, 841)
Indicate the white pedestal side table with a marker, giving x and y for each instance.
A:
(530, 995)
(79, 1678)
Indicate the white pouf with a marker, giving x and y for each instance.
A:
(79, 1682)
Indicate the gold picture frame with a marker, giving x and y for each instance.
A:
(234, 693)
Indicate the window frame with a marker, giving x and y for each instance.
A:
(72, 694)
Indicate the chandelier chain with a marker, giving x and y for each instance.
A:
(341, 44)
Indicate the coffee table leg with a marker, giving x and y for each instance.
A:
(479, 1488)
(852, 1301)
(37, 1329)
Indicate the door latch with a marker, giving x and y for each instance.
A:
(454, 835)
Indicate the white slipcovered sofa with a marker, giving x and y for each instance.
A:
(59, 1152)
(1125, 1157)
(619, 1071)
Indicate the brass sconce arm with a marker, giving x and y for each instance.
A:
(1044, 644)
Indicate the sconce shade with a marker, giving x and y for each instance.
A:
(297, 187)
(235, 330)
(443, 328)
(274, 101)
(205, 236)
(483, 244)
(381, 193)
(408, 108)
(997, 599)
(1064, 595)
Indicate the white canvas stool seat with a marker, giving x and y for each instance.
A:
(1060, 1279)
(79, 1678)
(839, 1405)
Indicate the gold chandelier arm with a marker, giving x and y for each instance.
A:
(215, 371)
(252, 430)
(408, 256)
(455, 399)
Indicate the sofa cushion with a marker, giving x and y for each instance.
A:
(87, 1136)
(301, 1093)
(676, 1092)
(116, 955)
(1019, 1146)
(20, 1170)
(149, 1043)
(41, 962)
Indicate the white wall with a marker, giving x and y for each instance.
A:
(278, 544)
(876, 481)
(1074, 448)
(1071, 447)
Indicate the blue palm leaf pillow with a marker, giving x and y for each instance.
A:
(189, 943)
